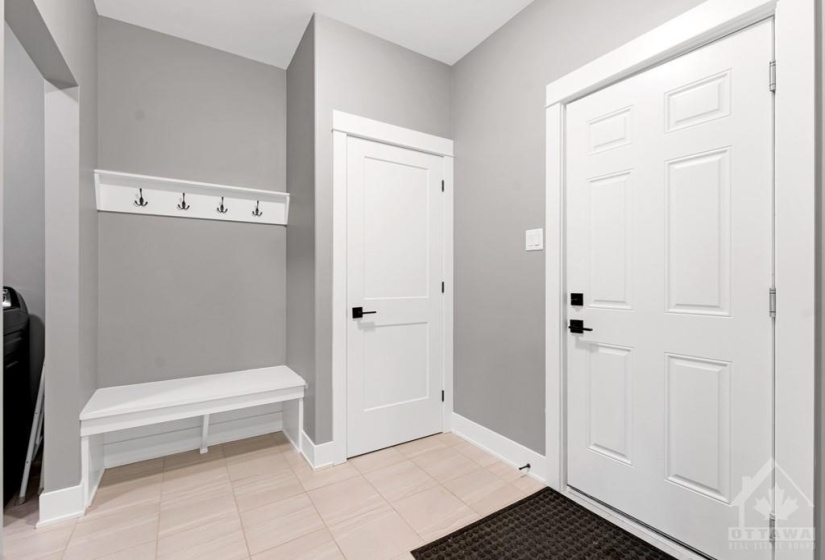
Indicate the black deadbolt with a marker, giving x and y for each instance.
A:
(576, 299)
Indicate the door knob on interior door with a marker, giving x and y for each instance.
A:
(358, 312)
(577, 326)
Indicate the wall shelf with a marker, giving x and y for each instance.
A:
(121, 192)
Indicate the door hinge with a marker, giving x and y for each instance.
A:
(772, 302)
(442, 396)
(442, 287)
(772, 528)
(772, 75)
(442, 185)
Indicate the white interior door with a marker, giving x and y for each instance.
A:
(669, 238)
(394, 274)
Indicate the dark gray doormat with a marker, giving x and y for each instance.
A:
(545, 525)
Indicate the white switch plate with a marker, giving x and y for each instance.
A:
(534, 240)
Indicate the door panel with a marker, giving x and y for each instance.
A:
(669, 209)
(611, 401)
(394, 269)
(697, 417)
(610, 247)
(698, 228)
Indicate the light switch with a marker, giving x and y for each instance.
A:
(534, 240)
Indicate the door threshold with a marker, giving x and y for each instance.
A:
(637, 528)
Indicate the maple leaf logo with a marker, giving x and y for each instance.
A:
(783, 506)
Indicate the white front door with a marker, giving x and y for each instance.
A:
(669, 242)
(394, 277)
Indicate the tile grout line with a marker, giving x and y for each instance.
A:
(237, 510)
(240, 517)
(170, 495)
(326, 526)
(305, 492)
(398, 513)
(317, 512)
(68, 541)
(438, 483)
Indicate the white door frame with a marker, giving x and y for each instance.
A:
(345, 125)
(795, 243)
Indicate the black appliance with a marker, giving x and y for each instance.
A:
(18, 407)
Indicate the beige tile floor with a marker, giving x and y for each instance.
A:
(258, 499)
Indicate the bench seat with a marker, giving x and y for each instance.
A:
(132, 406)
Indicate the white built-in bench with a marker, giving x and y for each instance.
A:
(144, 404)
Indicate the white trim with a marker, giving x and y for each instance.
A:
(795, 157)
(339, 296)
(505, 449)
(318, 455)
(360, 127)
(116, 192)
(554, 306)
(796, 256)
(345, 125)
(705, 23)
(449, 294)
(61, 505)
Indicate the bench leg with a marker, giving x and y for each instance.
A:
(85, 469)
(301, 424)
(205, 435)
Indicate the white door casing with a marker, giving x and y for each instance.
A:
(346, 127)
(795, 234)
(669, 237)
(395, 271)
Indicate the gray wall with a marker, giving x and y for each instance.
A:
(498, 122)
(72, 377)
(24, 228)
(819, 456)
(300, 254)
(361, 74)
(178, 109)
(185, 297)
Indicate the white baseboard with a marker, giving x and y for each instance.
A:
(151, 442)
(61, 505)
(318, 455)
(496, 444)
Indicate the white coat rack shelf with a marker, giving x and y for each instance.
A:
(157, 196)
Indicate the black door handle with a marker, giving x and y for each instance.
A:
(358, 312)
(577, 326)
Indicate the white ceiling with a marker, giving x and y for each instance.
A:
(269, 30)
